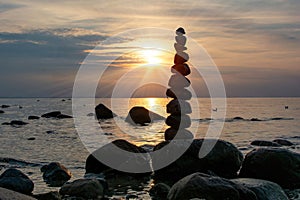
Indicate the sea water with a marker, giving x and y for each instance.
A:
(57, 140)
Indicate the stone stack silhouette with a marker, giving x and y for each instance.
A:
(179, 108)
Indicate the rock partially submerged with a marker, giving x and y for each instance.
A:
(283, 142)
(265, 143)
(103, 112)
(142, 116)
(264, 190)
(6, 194)
(55, 174)
(114, 154)
(203, 186)
(32, 117)
(274, 164)
(1, 111)
(224, 160)
(84, 188)
(16, 123)
(14, 179)
(56, 114)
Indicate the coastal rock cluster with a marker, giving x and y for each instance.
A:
(179, 108)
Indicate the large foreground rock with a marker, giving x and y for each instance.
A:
(142, 116)
(15, 180)
(224, 160)
(84, 188)
(114, 154)
(203, 186)
(264, 190)
(274, 164)
(55, 174)
(102, 112)
(6, 194)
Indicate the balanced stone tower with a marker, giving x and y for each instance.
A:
(179, 108)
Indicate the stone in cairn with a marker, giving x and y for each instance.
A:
(179, 108)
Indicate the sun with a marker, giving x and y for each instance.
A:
(151, 56)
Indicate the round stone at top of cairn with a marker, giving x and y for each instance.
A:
(178, 107)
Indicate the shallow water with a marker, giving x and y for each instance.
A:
(66, 146)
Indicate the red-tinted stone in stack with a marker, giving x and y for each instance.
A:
(179, 108)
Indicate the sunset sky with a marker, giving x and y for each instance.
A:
(254, 43)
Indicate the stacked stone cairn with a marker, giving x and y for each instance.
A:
(179, 108)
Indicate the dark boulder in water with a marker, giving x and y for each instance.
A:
(265, 143)
(53, 114)
(255, 120)
(1, 111)
(63, 116)
(5, 106)
(142, 116)
(14, 179)
(114, 153)
(32, 117)
(83, 188)
(55, 174)
(223, 160)
(102, 112)
(238, 118)
(265, 190)
(283, 142)
(16, 123)
(274, 164)
(203, 186)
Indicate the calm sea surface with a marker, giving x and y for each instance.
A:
(63, 144)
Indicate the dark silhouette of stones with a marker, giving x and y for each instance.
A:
(31, 138)
(203, 186)
(181, 134)
(274, 164)
(84, 188)
(5, 123)
(179, 81)
(14, 179)
(223, 160)
(1, 111)
(181, 58)
(53, 114)
(6, 194)
(102, 112)
(180, 31)
(265, 190)
(112, 152)
(178, 107)
(176, 93)
(63, 116)
(33, 117)
(55, 174)
(265, 143)
(176, 122)
(182, 69)
(159, 191)
(142, 116)
(283, 142)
